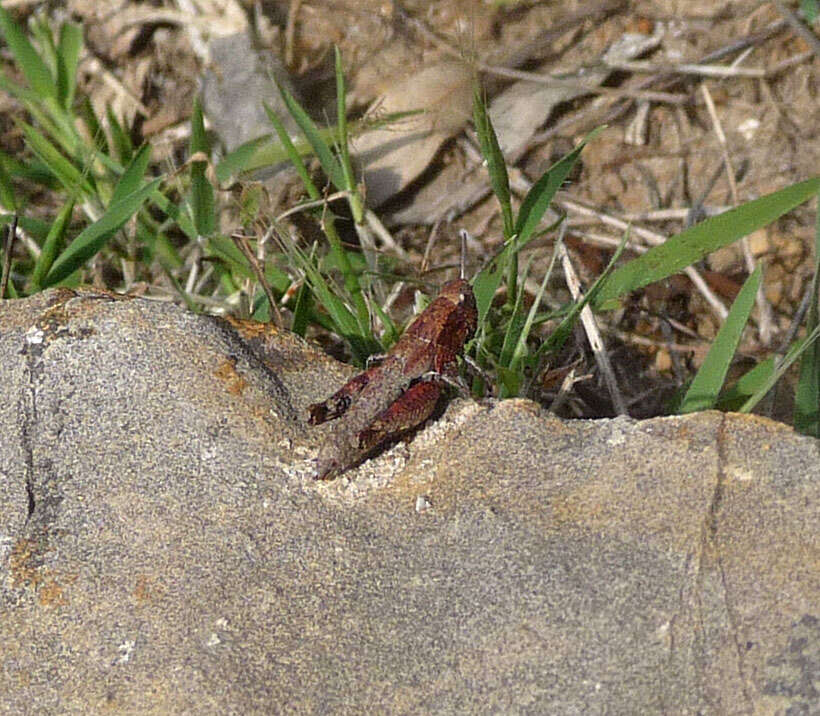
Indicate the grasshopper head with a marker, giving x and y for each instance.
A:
(460, 293)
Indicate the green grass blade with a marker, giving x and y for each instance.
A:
(41, 37)
(27, 96)
(704, 390)
(8, 197)
(515, 324)
(293, 154)
(354, 200)
(34, 69)
(807, 394)
(487, 281)
(746, 386)
(330, 165)
(559, 336)
(542, 192)
(68, 175)
(225, 250)
(52, 120)
(121, 140)
(301, 310)
(133, 176)
(54, 240)
(33, 170)
(241, 158)
(174, 212)
(694, 243)
(86, 113)
(337, 252)
(156, 246)
(341, 118)
(485, 285)
(202, 192)
(94, 237)
(344, 321)
(346, 324)
(68, 57)
(391, 331)
(496, 166)
(521, 347)
(794, 353)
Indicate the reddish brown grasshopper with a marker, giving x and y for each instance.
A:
(401, 392)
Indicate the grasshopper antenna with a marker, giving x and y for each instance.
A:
(462, 267)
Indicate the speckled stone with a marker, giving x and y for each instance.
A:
(163, 548)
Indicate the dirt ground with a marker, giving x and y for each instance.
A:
(723, 83)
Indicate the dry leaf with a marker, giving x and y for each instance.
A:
(391, 157)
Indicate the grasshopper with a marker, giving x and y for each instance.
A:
(402, 390)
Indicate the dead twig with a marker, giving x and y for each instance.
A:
(613, 109)
(799, 27)
(577, 84)
(565, 390)
(684, 68)
(242, 244)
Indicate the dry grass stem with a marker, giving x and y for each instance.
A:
(765, 320)
(313, 204)
(654, 238)
(660, 215)
(374, 223)
(593, 334)
(552, 81)
(565, 390)
(96, 67)
(698, 348)
(722, 71)
(431, 242)
(290, 31)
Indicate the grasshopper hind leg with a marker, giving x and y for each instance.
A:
(414, 406)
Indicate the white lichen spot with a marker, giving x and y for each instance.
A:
(748, 128)
(616, 437)
(125, 649)
(739, 473)
(207, 454)
(35, 336)
(6, 542)
(213, 640)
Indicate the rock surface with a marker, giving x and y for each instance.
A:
(163, 549)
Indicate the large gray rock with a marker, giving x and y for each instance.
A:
(163, 548)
